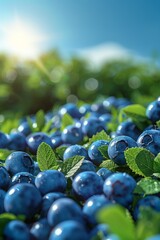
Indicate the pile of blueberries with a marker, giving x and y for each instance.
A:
(49, 210)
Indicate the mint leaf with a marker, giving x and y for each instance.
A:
(104, 151)
(156, 165)
(158, 123)
(99, 136)
(71, 165)
(148, 223)
(46, 157)
(40, 119)
(46, 128)
(109, 164)
(66, 121)
(4, 153)
(135, 112)
(147, 186)
(140, 161)
(118, 219)
(60, 151)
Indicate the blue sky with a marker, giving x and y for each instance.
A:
(71, 25)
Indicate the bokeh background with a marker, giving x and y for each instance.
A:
(58, 51)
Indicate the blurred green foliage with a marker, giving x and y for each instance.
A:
(50, 80)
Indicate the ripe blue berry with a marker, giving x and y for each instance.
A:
(22, 177)
(72, 135)
(4, 140)
(119, 188)
(19, 162)
(64, 209)
(92, 125)
(150, 139)
(23, 199)
(69, 230)
(129, 129)
(5, 178)
(117, 147)
(95, 154)
(17, 141)
(74, 150)
(41, 229)
(87, 184)
(50, 181)
(153, 111)
(16, 230)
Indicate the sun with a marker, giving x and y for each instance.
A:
(22, 40)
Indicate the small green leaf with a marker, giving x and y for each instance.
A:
(158, 123)
(148, 223)
(99, 136)
(66, 121)
(60, 151)
(147, 186)
(118, 219)
(30, 123)
(47, 126)
(135, 112)
(71, 165)
(46, 157)
(109, 164)
(9, 124)
(4, 153)
(140, 161)
(157, 164)
(40, 119)
(104, 151)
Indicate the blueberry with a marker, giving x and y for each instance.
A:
(47, 201)
(56, 141)
(72, 135)
(129, 129)
(23, 199)
(84, 109)
(50, 181)
(36, 169)
(87, 184)
(4, 141)
(71, 109)
(117, 147)
(74, 150)
(148, 201)
(4, 178)
(101, 229)
(64, 209)
(2, 196)
(119, 188)
(104, 173)
(22, 177)
(99, 108)
(92, 125)
(69, 230)
(95, 154)
(24, 128)
(86, 166)
(150, 139)
(105, 118)
(16, 230)
(35, 139)
(19, 162)
(92, 206)
(41, 229)
(153, 111)
(17, 141)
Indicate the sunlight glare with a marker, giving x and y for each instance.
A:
(22, 40)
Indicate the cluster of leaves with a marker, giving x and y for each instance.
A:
(50, 80)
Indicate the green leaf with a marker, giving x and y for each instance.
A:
(147, 186)
(66, 121)
(109, 164)
(9, 124)
(40, 119)
(46, 157)
(4, 153)
(4, 219)
(71, 165)
(104, 151)
(47, 126)
(99, 136)
(118, 220)
(158, 123)
(156, 165)
(135, 112)
(148, 223)
(140, 161)
(60, 151)
(30, 123)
